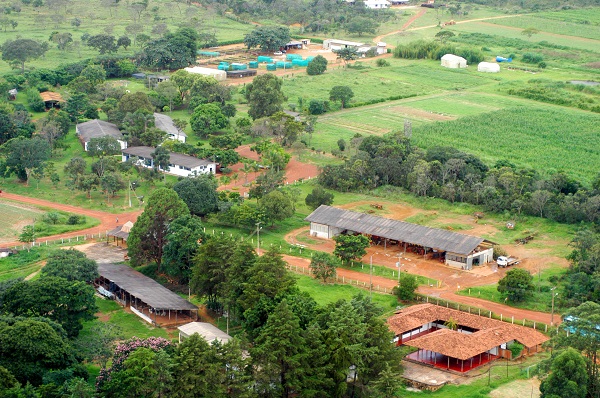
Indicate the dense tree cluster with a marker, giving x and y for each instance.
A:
(40, 321)
(448, 173)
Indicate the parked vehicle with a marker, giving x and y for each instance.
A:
(504, 261)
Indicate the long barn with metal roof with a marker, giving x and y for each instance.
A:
(146, 297)
(460, 250)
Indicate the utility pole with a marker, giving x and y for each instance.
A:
(258, 238)
(129, 190)
(371, 279)
(398, 264)
(552, 313)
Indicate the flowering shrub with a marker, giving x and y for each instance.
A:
(123, 350)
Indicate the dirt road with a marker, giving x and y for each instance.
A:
(108, 221)
(506, 311)
(412, 19)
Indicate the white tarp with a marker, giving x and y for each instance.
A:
(453, 61)
(488, 67)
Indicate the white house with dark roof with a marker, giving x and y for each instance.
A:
(179, 164)
(165, 123)
(97, 129)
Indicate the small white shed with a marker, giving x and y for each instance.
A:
(220, 75)
(206, 330)
(488, 67)
(453, 61)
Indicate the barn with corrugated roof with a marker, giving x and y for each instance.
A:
(457, 250)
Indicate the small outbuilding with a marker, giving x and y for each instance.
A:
(51, 99)
(220, 75)
(166, 124)
(489, 67)
(206, 330)
(453, 61)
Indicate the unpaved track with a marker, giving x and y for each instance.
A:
(108, 221)
(506, 311)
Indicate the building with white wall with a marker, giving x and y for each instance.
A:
(179, 164)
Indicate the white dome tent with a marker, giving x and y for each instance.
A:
(488, 67)
(453, 61)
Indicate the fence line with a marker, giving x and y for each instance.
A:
(61, 241)
(343, 280)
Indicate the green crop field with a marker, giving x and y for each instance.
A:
(402, 78)
(554, 26)
(584, 16)
(541, 138)
(39, 23)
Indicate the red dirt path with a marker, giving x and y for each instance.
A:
(108, 221)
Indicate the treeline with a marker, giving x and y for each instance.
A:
(448, 173)
(317, 17)
(42, 351)
(423, 49)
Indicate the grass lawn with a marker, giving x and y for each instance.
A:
(554, 26)
(130, 324)
(541, 300)
(23, 263)
(330, 293)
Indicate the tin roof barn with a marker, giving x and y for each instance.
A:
(462, 251)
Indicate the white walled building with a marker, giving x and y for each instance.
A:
(179, 164)
(165, 123)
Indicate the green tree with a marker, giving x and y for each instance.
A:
(124, 42)
(341, 93)
(162, 158)
(360, 25)
(197, 370)
(568, 378)
(517, 285)
(266, 183)
(183, 240)
(350, 247)
(277, 206)
(347, 54)
(268, 38)
(69, 303)
(95, 74)
(137, 101)
(75, 170)
(148, 235)
(20, 51)
(199, 193)
(406, 288)
(78, 106)
(103, 146)
(264, 96)
(226, 141)
(145, 373)
(280, 354)
(323, 266)
(317, 66)
(27, 235)
(267, 278)
(31, 347)
(26, 155)
(71, 265)
(530, 32)
(317, 197)
(103, 43)
(111, 183)
(62, 40)
(208, 119)
(444, 35)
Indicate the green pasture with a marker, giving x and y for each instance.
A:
(544, 139)
(22, 264)
(39, 23)
(402, 78)
(584, 16)
(330, 293)
(489, 27)
(129, 324)
(553, 26)
(542, 295)
(14, 214)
